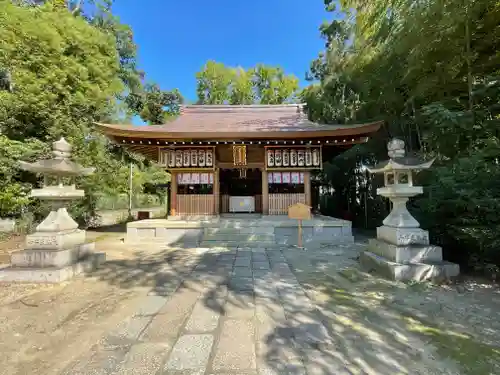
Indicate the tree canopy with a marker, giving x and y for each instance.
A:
(431, 71)
(219, 84)
(65, 71)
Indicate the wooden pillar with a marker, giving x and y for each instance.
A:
(307, 187)
(216, 191)
(173, 193)
(265, 193)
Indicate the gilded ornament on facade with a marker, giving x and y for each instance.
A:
(240, 155)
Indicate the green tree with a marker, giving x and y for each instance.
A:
(430, 71)
(241, 87)
(66, 74)
(213, 83)
(154, 105)
(219, 84)
(272, 86)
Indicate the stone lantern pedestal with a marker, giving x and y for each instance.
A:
(57, 250)
(402, 250)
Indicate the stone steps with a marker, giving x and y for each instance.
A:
(229, 230)
(249, 236)
(239, 237)
(264, 232)
(235, 244)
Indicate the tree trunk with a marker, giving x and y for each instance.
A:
(468, 57)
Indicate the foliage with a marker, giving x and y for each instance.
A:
(272, 86)
(121, 202)
(154, 105)
(241, 87)
(13, 190)
(430, 70)
(219, 84)
(213, 83)
(68, 70)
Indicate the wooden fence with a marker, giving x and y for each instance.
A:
(195, 204)
(279, 203)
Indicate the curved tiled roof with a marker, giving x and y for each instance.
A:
(242, 121)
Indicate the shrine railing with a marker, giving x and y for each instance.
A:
(195, 204)
(279, 203)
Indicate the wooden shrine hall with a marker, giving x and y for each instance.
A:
(239, 158)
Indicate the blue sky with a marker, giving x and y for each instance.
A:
(175, 38)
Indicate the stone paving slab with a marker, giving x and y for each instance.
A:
(242, 262)
(97, 361)
(261, 265)
(166, 325)
(144, 359)
(291, 367)
(241, 283)
(203, 318)
(127, 332)
(239, 305)
(150, 305)
(317, 362)
(242, 272)
(238, 312)
(236, 347)
(191, 352)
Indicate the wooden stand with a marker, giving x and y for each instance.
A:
(299, 239)
(299, 211)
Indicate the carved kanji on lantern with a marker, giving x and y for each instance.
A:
(240, 155)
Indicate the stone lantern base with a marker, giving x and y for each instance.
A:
(52, 257)
(405, 254)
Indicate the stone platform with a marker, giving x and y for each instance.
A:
(234, 229)
(416, 262)
(51, 265)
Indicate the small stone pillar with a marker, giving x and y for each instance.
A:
(57, 250)
(402, 250)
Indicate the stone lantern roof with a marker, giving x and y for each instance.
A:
(399, 161)
(60, 165)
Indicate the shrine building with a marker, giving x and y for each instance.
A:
(239, 158)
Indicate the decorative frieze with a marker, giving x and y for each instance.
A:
(286, 178)
(187, 158)
(296, 157)
(195, 178)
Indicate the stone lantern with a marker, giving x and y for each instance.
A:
(402, 250)
(58, 249)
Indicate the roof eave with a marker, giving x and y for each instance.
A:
(130, 131)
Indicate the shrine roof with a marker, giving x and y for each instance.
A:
(238, 121)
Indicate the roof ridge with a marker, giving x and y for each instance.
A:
(197, 108)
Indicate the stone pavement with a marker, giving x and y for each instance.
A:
(233, 312)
